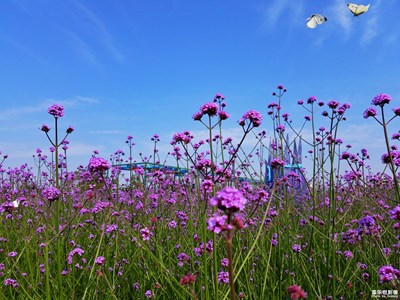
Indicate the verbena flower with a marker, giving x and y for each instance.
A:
(253, 116)
(223, 277)
(98, 164)
(388, 273)
(217, 223)
(51, 193)
(56, 110)
(370, 112)
(229, 199)
(45, 128)
(296, 292)
(210, 109)
(100, 260)
(187, 279)
(381, 99)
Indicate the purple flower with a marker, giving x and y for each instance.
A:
(386, 251)
(333, 104)
(276, 162)
(395, 213)
(217, 223)
(296, 292)
(223, 277)
(56, 110)
(45, 128)
(348, 255)
(70, 129)
(148, 294)
(146, 234)
(381, 99)
(223, 115)
(396, 111)
(78, 251)
(388, 273)
(100, 260)
(12, 254)
(98, 164)
(370, 112)
(253, 116)
(296, 248)
(11, 282)
(311, 99)
(280, 128)
(229, 199)
(224, 262)
(210, 109)
(51, 193)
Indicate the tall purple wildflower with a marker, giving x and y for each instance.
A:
(229, 199)
(56, 110)
(51, 193)
(381, 99)
(98, 164)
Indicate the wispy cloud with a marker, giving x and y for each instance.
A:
(82, 48)
(274, 11)
(371, 30)
(22, 48)
(102, 32)
(339, 13)
(12, 113)
(107, 132)
(19, 111)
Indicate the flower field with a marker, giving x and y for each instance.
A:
(211, 227)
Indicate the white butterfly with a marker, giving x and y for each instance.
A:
(16, 203)
(315, 20)
(358, 9)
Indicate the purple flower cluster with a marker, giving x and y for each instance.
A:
(56, 110)
(229, 199)
(100, 260)
(98, 164)
(381, 100)
(388, 273)
(210, 109)
(253, 116)
(217, 223)
(51, 193)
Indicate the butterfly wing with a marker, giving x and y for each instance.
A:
(315, 20)
(357, 9)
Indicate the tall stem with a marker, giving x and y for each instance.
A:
(392, 167)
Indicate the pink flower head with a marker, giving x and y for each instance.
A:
(56, 110)
(296, 292)
(210, 109)
(100, 260)
(187, 279)
(45, 128)
(253, 116)
(51, 193)
(98, 164)
(381, 99)
(218, 224)
(229, 199)
(370, 112)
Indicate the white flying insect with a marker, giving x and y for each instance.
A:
(315, 20)
(358, 9)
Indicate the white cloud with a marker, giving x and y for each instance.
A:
(339, 13)
(102, 32)
(371, 30)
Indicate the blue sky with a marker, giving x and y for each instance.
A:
(143, 67)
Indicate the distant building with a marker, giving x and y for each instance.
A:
(293, 163)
